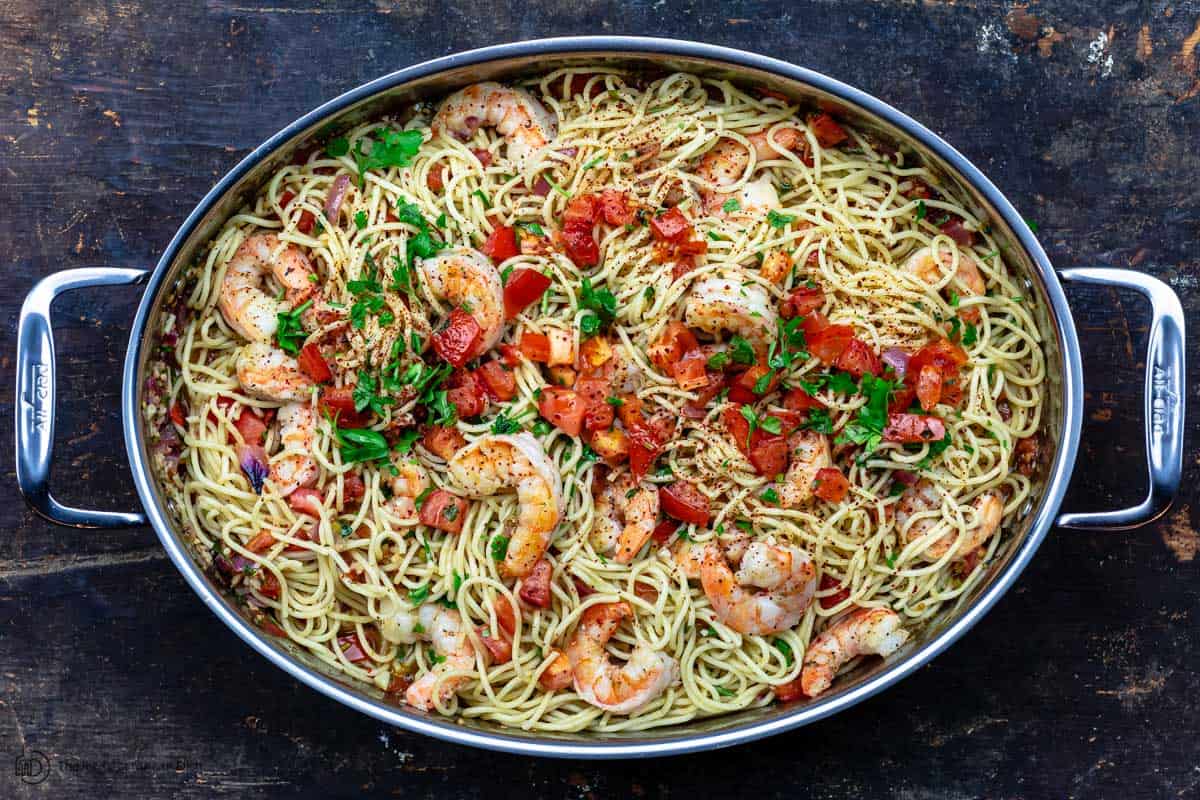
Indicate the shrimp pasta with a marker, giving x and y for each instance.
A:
(599, 401)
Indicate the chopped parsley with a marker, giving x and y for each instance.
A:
(406, 441)
(486, 202)
(819, 421)
(360, 219)
(417, 596)
(867, 427)
(970, 334)
(504, 424)
(365, 395)
(499, 548)
(717, 361)
(595, 162)
(731, 205)
(769, 495)
(542, 427)
(784, 648)
(741, 351)
(336, 148)
(361, 444)
(780, 221)
(601, 301)
(289, 333)
(388, 149)
(921, 210)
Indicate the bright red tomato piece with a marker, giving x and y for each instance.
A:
(580, 244)
(306, 501)
(690, 372)
(790, 692)
(338, 402)
(831, 485)
(665, 530)
(564, 408)
(595, 391)
(535, 346)
(313, 364)
(769, 456)
(684, 502)
(957, 230)
(799, 400)
(535, 588)
(353, 488)
(444, 511)
(500, 382)
(443, 441)
(803, 300)
(179, 413)
(506, 615)
(501, 244)
(914, 429)
(468, 393)
(829, 582)
(830, 342)
(671, 345)
(827, 130)
(456, 343)
(929, 386)
(671, 226)
(616, 208)
(525, 286)
(251, 426)
(582, 208)
(858, 360)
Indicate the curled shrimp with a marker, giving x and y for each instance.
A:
(626, 516)
(689, 555)
(621, 689)
(914, 519)
(407, 484)
(725, 164)
(808, 454)
(723, 303)
(268, 373)
(444, 629)
(243, 299)
(786, 575)
(491, 463)
(865, 631)
(295, 467)
(467, 279)
(967, 281)
(516, 115)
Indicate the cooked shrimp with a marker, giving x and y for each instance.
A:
(443, 627)
(865, 631)
(724, 303)
(243, 299)
(923, 497)
(491, 463)
(725, 164)
(295, 467)
(467, 279)
(967, 281)
(689, 555)
(786, 573)
(410, 480)
(626, 516)
(809, 454)
(268, 373)
(620, 689)
(516, 115)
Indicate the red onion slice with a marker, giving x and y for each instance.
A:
(337, 193)
(253, 460)
(897, 358)
(541, 188)
(905, 477)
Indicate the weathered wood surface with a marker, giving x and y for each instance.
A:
(116, 117)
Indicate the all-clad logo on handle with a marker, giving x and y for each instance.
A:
(1162, 399)
(39, 396)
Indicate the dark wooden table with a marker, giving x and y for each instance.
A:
(116, 117)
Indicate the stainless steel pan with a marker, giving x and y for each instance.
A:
(1163, 399)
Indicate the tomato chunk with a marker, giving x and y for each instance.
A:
(500, 650)
(270, 586)
(684, 502)
(468, 393)
(594, 391)
(535, 588)
(831, 485)
(582, 208)
(790, 692)
(261, 542)
(456, 343)
(580, 244)
(690, 372)
(500, 382)
(929, 386)
(664, 530)
(858, 359)
(829, 582)
(914, 428)
(957, 230)
(746, 386)
(443, 441)
(769, 456)
(803, 300)
(251, 426)
(506, 615)
(338, 402)
(616, 208)
(501, 244)
(671, 345)
(535, 346)
(313, 364)
(799, 400)
(671, 226)
(306, 501)
(444, 511)
(827, 130)
(525, 286)
(829, 343)
(564, 408)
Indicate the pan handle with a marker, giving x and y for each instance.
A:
(1164, 400)
(35, 400)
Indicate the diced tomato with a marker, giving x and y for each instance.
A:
(468, 393)
(671, 226)
(352, 648)
(799, 400)
(665, 530)
(269, 586)
(952, 390)
(286, 199)
(484, 156)
(506, 615)
(353, 488)
(500, 382)
(829, 582)
(929, 386)
(313, 364)
(499, 649)
(902, 398)
(641, 458)
(581, 588)
(769, 456)
(535, 346)
(914, 428)
(178, 413)
(558, 674)
(564, 408)
(456, 343)
(671, 345)
(261, 542)
(827, 130)
(307, 221)
(251, 426)
(306, 501)
(524, 286)
(803, 300)
(738, 428)
(510, 354)
(698, 408)
(957, 230)
(747, 382)
(684, 502)
(444, 511)
(435, 179)
(790, 692)
(691, 372)
(272, 629)
(594, 392)
(501, 244)
(830, 342)
(535, 587)
(858, 359)
(582, 208)
(616, 208)
(831, 485)
(338, 402)
(595, 352)
(942, 353)
(813, 323)
(443, 441)
(580, 244)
